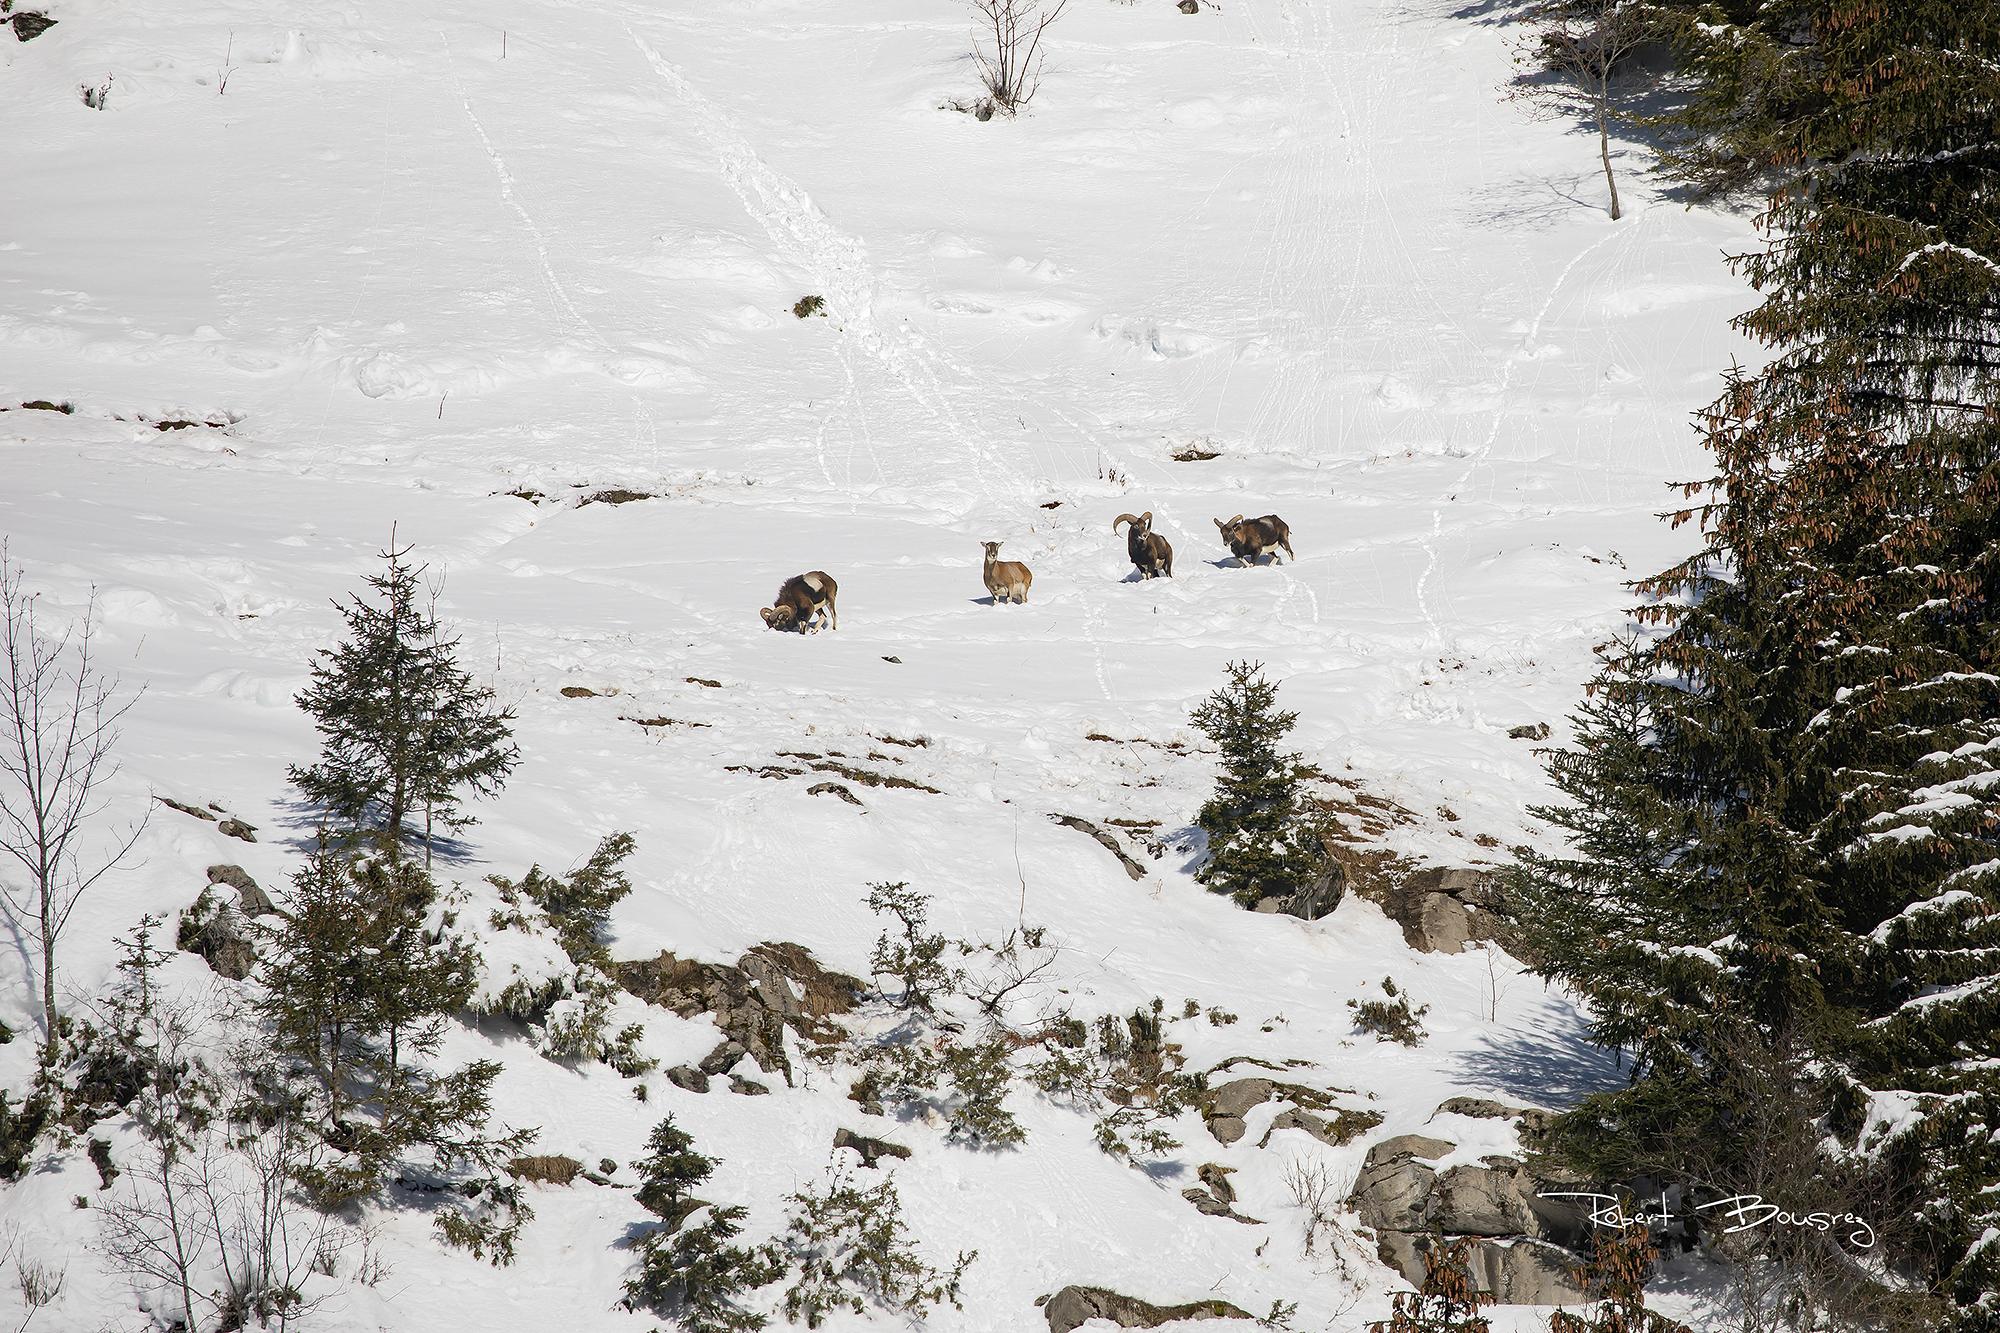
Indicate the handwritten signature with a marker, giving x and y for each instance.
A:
(1744, 1210)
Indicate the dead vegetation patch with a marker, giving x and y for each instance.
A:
(616, 495)
(545, 1169)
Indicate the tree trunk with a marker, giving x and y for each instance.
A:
(1604, 149)
(52, 1045)
(177, 1230)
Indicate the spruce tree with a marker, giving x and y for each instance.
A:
(358, 998)
(671, 1171)
(693, 1274)
(1263, 837)
(404, 732)
(1812, 747)
(1882, 308)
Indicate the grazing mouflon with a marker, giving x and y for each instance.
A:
(804, 602)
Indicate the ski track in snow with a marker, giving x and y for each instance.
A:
(839, 263)
(1435, 637)
(569, 320)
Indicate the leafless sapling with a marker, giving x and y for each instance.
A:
(1570, 61)
(1007, 44)
(59, 720)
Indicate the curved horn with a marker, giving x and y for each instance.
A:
(1125, 518)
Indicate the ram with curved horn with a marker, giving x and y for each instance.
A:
(1251, 539)
(804, 602)
(1151, 553)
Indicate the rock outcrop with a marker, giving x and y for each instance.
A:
(1442, 911)
(1313, 901)
(1225, 1106)
(1073, 1307)
(769, 989)
(1520, 1252)
(1215, 1196)
(871, 1150)
(254, 901)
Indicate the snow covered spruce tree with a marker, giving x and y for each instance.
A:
(357, 998)
(1882, 307)
(1263, 836)
(404, 731)
(689, 1268)
(1794, 824)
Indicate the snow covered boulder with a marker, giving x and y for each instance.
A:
(217, 931)
(1073, 1307)
(254, 900)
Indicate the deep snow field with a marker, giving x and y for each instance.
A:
(411, 276)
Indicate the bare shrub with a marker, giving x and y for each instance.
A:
(40, 1284)
(58, 723)
(1571, 59)
(1007, 44)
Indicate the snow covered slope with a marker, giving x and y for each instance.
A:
(419, 260)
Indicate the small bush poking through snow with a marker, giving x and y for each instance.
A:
(1391, 1018)
(808, 306)
(853, 1249)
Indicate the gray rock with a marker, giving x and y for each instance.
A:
(833, 789)
(1516, 1257)
(871, 1150)
(1395, 1182)
(771, 988)
(1223, 1108)
(748, 1087)
(1343, 1129)
(1073, 1307)
(194, 811)
(688, 1077)
(1215, 1196)
(28, 25)
(236, 828)
(1133, 870)
(723, 1058)
(1484, 1201)
(1443, 910)
(1516, 1272)
(254, 900)
(218, 932)
(1315, 900)
(1529, 731)
(1534, 1120)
